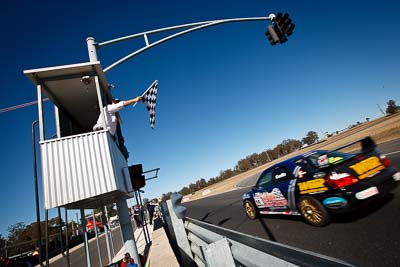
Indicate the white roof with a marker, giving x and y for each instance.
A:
(63, 85)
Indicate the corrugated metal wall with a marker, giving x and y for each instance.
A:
(80, 167)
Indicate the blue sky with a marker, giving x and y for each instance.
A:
(224, 92)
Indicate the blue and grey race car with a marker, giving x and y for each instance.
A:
(321, 183)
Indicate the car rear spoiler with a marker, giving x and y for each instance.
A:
(367, 145)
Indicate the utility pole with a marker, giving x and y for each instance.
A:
(381, 109)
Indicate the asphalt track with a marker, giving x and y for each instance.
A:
(369, 237)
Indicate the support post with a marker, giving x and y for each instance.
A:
(126, 229)
(92, 49)
(145, 230)
(67, 237)
(97, 237)
(60, 229)
(85, 238)
(106, 230)
(47, 237)
(219, 253)
(36, 184)
(111, 237)
(40, 112)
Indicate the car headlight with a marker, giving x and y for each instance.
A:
(245, 196)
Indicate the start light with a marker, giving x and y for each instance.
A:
(338, 180)
(385, 161)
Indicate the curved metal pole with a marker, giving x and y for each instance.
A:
(129, 37)
(202, 25)
(93, 46)
(36, 184)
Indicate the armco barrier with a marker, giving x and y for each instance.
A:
(196, 243)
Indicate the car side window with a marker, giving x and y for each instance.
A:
(265, 179)
(281, 173)
(304, 164)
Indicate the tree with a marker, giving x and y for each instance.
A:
(2, 241)
(166, 196)
(310, 138)
(243, 165)
(185, 191)
(16, 232)
(391, 108)
(201, 183)
(291, 145)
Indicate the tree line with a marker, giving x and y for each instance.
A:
(249, 162)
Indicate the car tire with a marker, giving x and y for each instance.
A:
(251, 211)
(313, 211)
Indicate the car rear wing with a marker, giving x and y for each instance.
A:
(367, 145)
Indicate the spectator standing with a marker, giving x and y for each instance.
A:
(137, 216)
(150, 208)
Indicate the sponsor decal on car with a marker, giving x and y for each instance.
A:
(273, 199)
(367, 193)
(396, 176)
(323, 160)
(367, 167)
(334, 202)
(312, 186)
(334, 160)
(279, 176)
(286, 212)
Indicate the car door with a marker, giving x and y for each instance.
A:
(272, 191)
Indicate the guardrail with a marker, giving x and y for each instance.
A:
(197, 243)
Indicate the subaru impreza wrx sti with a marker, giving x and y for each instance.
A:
(320, 183)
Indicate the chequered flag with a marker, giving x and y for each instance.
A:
(149, 99)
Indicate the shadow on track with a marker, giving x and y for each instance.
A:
(220, 223)
(366, 210)
(216, 211)
(267, 231)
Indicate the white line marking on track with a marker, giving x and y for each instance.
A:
(391, 153)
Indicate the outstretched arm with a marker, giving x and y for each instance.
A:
(132, 100)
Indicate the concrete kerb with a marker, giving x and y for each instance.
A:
(140, 244)
(160, 252)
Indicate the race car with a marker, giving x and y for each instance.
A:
(321, 183)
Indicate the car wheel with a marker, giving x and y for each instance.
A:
(251, 211)
(313, 211)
